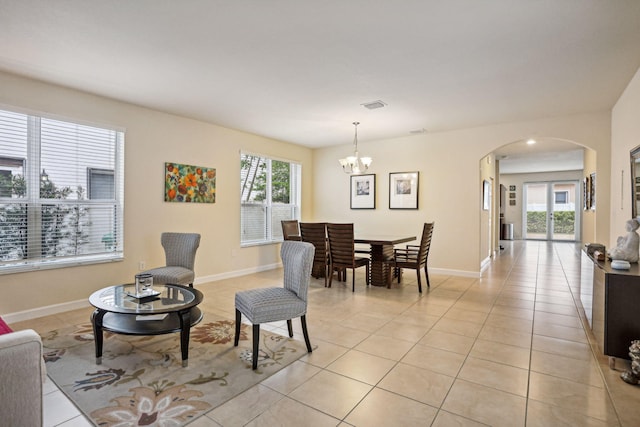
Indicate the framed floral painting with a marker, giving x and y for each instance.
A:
(189, 184)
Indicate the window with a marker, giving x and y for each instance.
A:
(61, 193)
(100, 183)
(270, 193)
(561, 197)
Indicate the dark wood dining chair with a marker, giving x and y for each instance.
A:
(316, 234)
(414, 256)
(342, 252)
(290, 230)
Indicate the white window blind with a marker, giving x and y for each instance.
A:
(61, 193)
(270, 193)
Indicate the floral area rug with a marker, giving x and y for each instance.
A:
(141, 381)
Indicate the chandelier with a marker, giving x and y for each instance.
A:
(355, 164)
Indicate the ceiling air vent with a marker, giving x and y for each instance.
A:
(374, 104)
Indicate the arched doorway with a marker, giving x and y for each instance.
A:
(535, 187)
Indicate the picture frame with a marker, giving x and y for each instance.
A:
(592, 191)
(403, 190)
(363, 191)
(189, 183)
(512, 188)
(486, 195)
(512, 202)
(512, 195)
(585, 193)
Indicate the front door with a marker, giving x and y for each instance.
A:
(551, 211)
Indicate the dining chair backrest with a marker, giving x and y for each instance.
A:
(316, 234)
(290, 230)
(425, 242)
(341, 245)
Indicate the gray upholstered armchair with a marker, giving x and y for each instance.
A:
(21, 377)
(264, 305)
(180, 253)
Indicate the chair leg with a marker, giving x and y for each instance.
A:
(399, 273)
(290, 328)
(326, 273)
(256, 341)
(303, 320)
(419, 282)
(367, 278)
(330, 274)
(238, 319)
(353, 278)
(426, 273)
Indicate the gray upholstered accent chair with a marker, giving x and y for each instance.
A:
(264, 305)
(180, 253)
(21, 378)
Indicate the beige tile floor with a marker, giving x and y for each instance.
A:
(508, 349)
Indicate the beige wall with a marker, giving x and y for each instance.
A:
(625, 135)
(450, 182)
(449, 192)
(151, 139)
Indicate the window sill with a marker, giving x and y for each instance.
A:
(27, 267)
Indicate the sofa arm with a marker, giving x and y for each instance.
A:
(21, 378)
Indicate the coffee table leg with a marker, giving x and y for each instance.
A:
(185, 329)
(96, 321)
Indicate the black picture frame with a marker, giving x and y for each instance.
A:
(363, 191)
(403, 190)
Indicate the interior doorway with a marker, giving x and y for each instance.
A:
(551, 211)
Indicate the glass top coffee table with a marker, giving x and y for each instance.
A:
(173, 309)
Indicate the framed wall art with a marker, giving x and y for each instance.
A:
(363, 191)
(486, 195)
(586, 202)
(403, 190)
(592, 192)
(189, 184)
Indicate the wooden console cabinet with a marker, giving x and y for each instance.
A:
(611, 301)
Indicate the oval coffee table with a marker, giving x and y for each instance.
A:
(174, 309)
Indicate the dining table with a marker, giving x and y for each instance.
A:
(381, 252)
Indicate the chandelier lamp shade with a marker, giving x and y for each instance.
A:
(354, 165)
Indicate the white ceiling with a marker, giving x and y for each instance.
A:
(546, 155)
(299, 70)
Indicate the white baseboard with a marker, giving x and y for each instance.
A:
(74, 305)
(237, 273)
(484, 264)
(48, 310)
(459, 273)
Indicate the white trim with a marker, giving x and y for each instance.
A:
(237, 273)
(458, 273)
(84, 303)
(74, 305)
(45, 311)
(484, 264)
